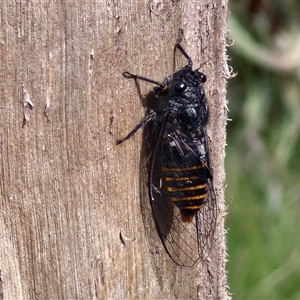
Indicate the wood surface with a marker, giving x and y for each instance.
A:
(71, 225)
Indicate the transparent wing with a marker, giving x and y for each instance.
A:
(185, 242)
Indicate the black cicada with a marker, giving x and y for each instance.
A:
(179, 175)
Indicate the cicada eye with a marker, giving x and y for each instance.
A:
(180, 86)
(203, 77)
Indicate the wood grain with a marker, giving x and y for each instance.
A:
(67, 191)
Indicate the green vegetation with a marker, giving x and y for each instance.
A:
(263, 152)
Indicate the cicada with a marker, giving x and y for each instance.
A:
(180, 180)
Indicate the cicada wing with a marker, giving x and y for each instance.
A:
(187, 163)
(206, 223)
